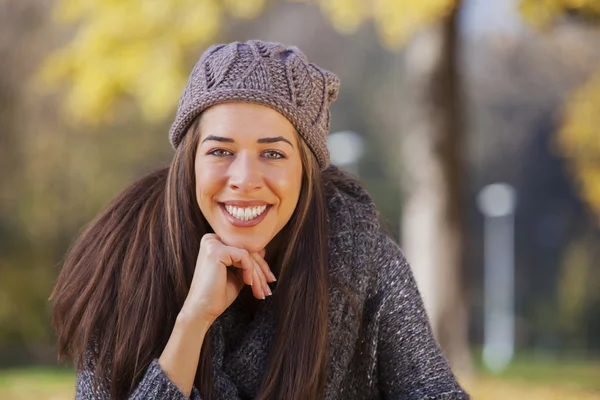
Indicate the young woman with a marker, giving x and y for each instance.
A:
(250, 268)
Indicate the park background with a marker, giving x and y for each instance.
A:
(447, 97)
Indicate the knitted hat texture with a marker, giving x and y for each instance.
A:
(265, 73)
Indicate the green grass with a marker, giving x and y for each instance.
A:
(536, 378)
(37, 382)
(576, 374)
(526, 378)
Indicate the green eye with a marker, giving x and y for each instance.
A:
(219, 153)
(273, 155)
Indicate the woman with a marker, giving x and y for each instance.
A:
(250, 268)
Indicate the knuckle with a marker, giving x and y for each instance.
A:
(207, 238)
(244, 255)
(211, 246)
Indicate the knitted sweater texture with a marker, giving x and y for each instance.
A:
(386, 351)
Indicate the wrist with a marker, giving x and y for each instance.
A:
(187, 317)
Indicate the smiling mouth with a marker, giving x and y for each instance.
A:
(245, 213)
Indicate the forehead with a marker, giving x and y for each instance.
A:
(245, 120)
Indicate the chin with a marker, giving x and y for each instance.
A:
(250, 243)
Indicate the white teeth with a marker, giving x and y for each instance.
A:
(245, 214)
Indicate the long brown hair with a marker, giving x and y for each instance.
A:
(127, 275)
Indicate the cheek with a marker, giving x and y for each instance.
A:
(207, 184)
(289, 187)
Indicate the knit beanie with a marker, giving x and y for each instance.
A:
(265, 73)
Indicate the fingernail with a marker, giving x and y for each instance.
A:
(272, 275)
(268, 290)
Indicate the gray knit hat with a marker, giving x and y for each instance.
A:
(265, 73)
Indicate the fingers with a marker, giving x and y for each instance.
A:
(254, 269)
(242, 259)
(263, 278)
(259, 258)
(231, 256)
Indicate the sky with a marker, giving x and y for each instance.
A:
(481, 17)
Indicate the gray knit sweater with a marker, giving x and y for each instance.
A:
(390, 354)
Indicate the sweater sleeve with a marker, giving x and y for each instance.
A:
(410, 363)
(154, 385)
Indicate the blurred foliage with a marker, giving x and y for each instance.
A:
(396, 20)
(542, 13)
(575, 293)
(133, 49)
(138, 49)
(578, 139)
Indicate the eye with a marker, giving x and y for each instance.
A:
(273, 155)
(219, 153)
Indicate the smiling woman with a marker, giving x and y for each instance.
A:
(240, 166)
(250, 268)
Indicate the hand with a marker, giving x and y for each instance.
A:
(215, 286)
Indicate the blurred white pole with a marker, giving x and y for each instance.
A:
(497, 202)
(346, 148)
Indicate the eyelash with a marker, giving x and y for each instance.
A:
(215, 151)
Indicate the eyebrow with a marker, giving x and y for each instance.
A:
(262, 140)
(218, 139)
(274, 140)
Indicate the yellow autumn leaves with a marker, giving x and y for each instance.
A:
(395, 20)
(135, 52)
(579, 140)
(579, 137)
(540, 13)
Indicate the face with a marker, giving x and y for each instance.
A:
(248, 173)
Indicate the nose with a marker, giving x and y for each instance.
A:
(244, 174)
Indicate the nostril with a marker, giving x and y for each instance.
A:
(245, 184)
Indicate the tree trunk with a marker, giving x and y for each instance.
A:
(432, 145)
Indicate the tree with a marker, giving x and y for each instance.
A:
(544, 13)
(134, 50)
(578, 140)
(432, 217)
